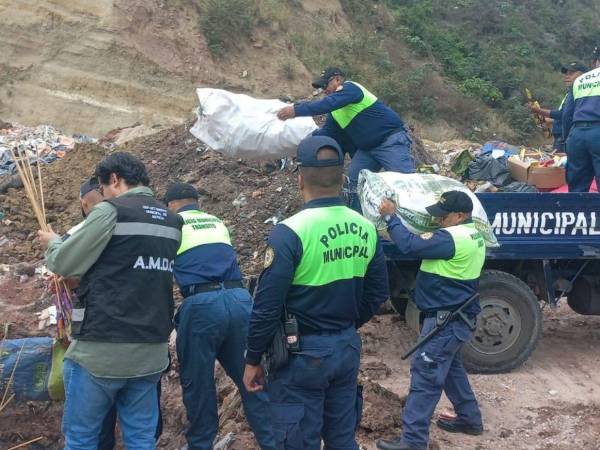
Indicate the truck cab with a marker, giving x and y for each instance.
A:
(549, 249)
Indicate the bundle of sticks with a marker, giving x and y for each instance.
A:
(61, 296)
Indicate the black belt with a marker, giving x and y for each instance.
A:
(309, 331)
(586, 124)
(194, 289)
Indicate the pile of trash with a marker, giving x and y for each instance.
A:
(44, 142)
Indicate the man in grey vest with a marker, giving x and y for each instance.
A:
(124, 255)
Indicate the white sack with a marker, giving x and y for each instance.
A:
(412, 193)
(241, 126)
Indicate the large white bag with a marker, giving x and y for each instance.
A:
(242, 126)
(412, 193)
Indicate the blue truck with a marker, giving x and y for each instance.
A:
(549, 249)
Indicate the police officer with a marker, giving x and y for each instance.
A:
(449, 275)
(570, 71)
(370, 131)
(212, 322)
(326, 265)
(123, 254)
(581, 122)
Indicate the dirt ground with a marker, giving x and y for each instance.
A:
(552, 402)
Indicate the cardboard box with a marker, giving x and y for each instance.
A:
(540, 177)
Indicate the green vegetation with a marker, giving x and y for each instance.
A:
(465, 62)
(225, 23)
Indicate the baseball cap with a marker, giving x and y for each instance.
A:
(449, 202)
(326, 75)
(574, 66)
(89, 186)
(179, 191)
(308, 149)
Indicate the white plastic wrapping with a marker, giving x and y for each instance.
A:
(412, 193)
(241, 126)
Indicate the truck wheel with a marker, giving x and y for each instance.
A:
(508, 328)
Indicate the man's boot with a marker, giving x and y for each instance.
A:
(458, 426)
(393, 444)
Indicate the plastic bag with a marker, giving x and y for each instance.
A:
(242, 126)
(412, 193)
(488, 168)
(39, 368)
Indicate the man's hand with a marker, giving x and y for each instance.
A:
(47, 236)
(534, 109)
(287, 113)
(254, 378)
(387, 207)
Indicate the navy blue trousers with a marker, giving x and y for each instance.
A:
(213, 326)
(583, 158)
(316, 395)
(437, 366)
(393, 155)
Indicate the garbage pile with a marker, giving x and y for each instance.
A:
(501, 167)
(44, 142)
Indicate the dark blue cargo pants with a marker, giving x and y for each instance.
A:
(214, 326)
(437, 366)
(583, 158)
(316, 395)
(393, 155)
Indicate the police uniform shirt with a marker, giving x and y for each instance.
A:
(207, 263)
(433, 292)
(366, 130)
(338, 305)
(583, 101)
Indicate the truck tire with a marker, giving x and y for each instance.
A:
(508, 328)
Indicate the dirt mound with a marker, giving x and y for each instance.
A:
(244, 194)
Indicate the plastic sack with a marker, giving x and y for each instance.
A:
(412, 193)
(488, 168)
(39, 368)
(242, 126)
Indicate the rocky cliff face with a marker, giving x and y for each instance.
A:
(92, 65)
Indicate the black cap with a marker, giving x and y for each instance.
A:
(309, 148)
(89, 186)
(449, 202)
(179, 191)
(326, 75)
(574, 66)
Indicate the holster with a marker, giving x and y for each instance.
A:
(277, 354)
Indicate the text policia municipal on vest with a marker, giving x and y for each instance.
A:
(333, 253)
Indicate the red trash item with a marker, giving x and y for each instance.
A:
(565, 188)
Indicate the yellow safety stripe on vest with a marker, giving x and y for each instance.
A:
(200, 228)
(469, 255)
(345, 114)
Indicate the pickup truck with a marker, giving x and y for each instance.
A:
(549, 249)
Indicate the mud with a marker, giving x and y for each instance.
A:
(552, 402)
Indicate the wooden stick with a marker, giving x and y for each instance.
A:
(39, 168)
(12, 375)
(5, 404)
(27, 443)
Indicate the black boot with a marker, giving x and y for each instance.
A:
(458, 426)
(393, 444)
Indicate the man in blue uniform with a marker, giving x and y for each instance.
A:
(449, 275)
(325, 268)
(581, 125)
(370, 131)
(212, 321)
(570, 71)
